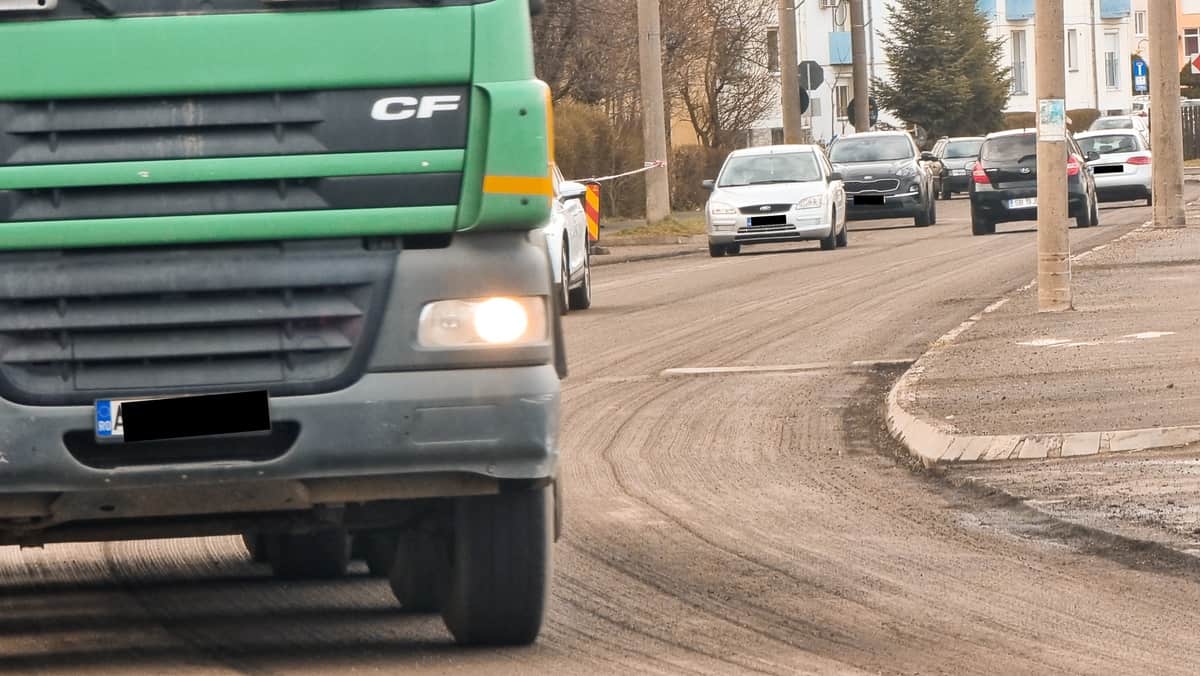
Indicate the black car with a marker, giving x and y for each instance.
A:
(956, 160)
(884, 177)
(1004, 182)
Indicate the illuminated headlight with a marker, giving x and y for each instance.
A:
(483, 322)
(814, 202)
(719, 209)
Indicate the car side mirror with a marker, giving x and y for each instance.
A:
(928, 157)
(709, 184)
(1091, 156)
(568, 191)
(835, 176)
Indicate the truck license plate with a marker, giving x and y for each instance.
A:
(158, 419)
(1023, 203)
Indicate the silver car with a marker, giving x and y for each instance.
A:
(782, 193)
(1123, 170)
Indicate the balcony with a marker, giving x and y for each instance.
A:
(840, 53)
(1114, 9)
(1018, 10)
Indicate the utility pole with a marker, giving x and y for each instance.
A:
(858, 51)
(789, 72)
(1053, 240)
(654, 124)
(1166, 124)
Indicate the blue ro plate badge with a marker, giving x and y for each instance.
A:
(164, 418)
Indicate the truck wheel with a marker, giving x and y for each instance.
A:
(322, 555)
(379, 551)
(500, 568)
(256, 545)
(581, 298)
(420, 572)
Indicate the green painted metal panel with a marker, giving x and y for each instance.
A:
(236, 53)
(230, 169)
(226, 227)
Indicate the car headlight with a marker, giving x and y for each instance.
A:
(907, 170)
(720, 209)
(483, 322)
(813, 202)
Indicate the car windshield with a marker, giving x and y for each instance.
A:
(1113, 123)
(873, 149)
(962, 149)
(1110, 144)
(761, 169)
(1009, 148)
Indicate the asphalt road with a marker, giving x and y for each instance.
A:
(729, 522)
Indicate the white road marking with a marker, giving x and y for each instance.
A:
(1149, 335)
(1044, 342)
(782, 368)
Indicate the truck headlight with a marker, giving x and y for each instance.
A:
(814, 202)
(483, 322)
(719, 209)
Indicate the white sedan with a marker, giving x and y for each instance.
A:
(1123, 170)
(779, 193)
(567, 241)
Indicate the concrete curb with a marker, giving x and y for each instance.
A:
(935, 443)
(614, 259)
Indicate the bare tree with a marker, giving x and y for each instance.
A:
(718, 67)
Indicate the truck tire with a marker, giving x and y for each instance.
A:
(319, 555)
(379, 551)
(420, 572)
(500, 568)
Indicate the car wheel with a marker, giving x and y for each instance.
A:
(580, 298)
(921, 220)
(716, 250)
(733, 249)
(946, 194)
(1083, 217)
(256, 545)
(322, 554)
(830, 243)
(932, 211)
(981, 225)
(564, 292)
(843, 237)
(1095, 211)
(500, 566)
(379, 551)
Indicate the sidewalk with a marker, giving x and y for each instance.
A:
(645, 249)
(1120, 373)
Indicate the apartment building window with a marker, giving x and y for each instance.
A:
(1139, 23)
(1020, 63)
(773, 50)
(842, 100)
(1112, 61)
(1073, 50)
(1191, 41)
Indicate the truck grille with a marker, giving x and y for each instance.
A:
(295, 317)
(880, 186)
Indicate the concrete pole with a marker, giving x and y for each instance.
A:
(1053, 241)
(1166, 125)
(858, 52)
(654, 124)
(789, 73)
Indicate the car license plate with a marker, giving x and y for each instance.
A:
(1023, 203)
(778, 219)
(868, 200)
(958, 172)
(162, 418)
(1109, 169)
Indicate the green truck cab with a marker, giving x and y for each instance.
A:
(273, 269)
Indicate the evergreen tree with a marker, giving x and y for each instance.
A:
(945, 69)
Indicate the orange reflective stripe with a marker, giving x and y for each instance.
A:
(518, 185)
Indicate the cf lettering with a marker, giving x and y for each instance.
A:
(406, 107)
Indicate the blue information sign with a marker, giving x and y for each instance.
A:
(1141, 76)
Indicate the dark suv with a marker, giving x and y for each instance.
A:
(1004, 182)
(884, 177)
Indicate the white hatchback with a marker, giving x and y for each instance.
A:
(1123, 170)
(779, 193)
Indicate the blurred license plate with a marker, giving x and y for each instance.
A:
(958, 172)
(120, 420)
(779, 219)
(1023, 203)
(868, 200)
(1109, 169)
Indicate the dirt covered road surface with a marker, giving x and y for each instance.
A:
(746, 514)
